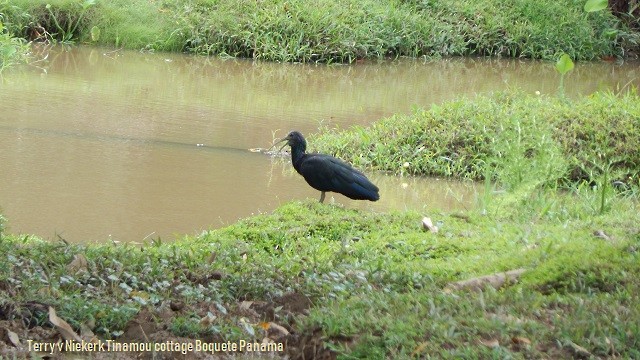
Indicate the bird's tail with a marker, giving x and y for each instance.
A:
(363, 189)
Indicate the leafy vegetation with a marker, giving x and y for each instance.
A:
(67, 28)
(563, 66)
(330, 30)
(13, 50)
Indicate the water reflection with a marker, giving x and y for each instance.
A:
(98, 143)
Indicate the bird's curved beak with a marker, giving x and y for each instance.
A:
(284, 139)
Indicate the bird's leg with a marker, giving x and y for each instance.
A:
(322, 197)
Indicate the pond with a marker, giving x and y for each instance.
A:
(102, 144)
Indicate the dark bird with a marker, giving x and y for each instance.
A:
(327, 173)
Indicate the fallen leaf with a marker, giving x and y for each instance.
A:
(245, 305)
(207, 319)
(493, 343)
(62, 326)
(579, 350)
(496, 281)
(520, 340)
(601, 234)
(427, 224)
(419, 349)
(79, 263)
(265, 325)
(612, 349)
(276, 330)
(13, 337)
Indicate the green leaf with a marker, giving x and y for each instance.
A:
(595, 5)
(95, 33)
(88, 3)
(564, 64)
(8, 51)
(611, 33)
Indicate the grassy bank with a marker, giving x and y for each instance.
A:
(376, 285)
(367, 285)
(509, 137)
(329, 30)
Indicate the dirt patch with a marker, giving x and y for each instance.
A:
(273, 323)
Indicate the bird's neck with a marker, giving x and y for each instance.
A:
(297, 153)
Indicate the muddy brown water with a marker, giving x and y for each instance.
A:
(99, 144)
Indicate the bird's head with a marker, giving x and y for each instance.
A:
(293, 139)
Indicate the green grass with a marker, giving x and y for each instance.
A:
(515, 136)
(330, 30)
(376, 280)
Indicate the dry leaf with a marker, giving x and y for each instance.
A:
(427, 224)
(264, 325)
(520, 340)
(245, 305)
(62, 326)
(79, 263)
(207, 319)
(495, 280)
(13, 337)
(493, 343)
(601, 234)
(276, 330)
(419, 349)
(579, 350)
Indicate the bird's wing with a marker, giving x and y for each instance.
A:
(323, 171)
(327, 173)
